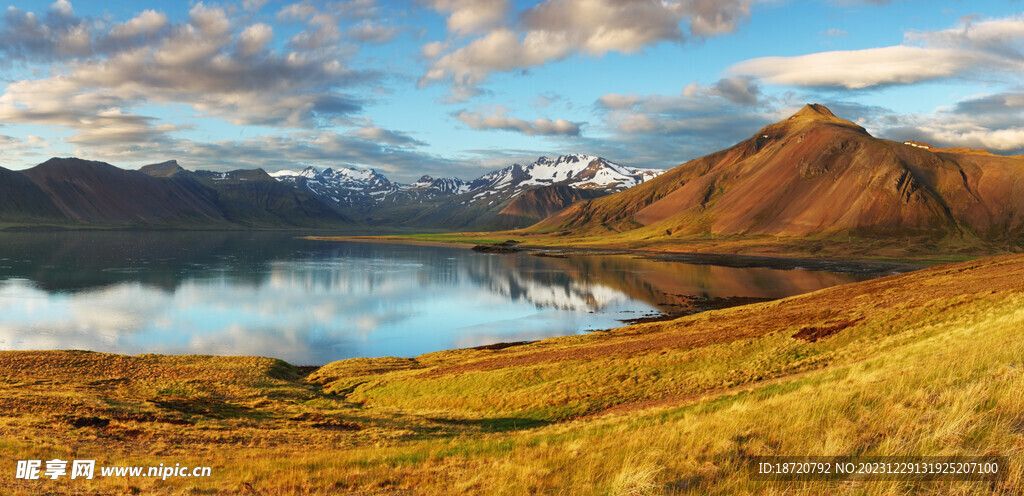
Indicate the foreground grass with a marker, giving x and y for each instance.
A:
(926, 363)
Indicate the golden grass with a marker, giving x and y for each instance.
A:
(926, 363)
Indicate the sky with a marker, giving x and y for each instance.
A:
(463, 87)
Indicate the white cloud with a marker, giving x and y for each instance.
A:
(856, 69)
(387, 136)
(973, 48)
(967, 134)
(990, 122)
(497, 119)
(665, 130)
(297, 12)
(434, 49)
(371, 32)
(37, 140)
(209, 63)
(62, 7)
(712, 17)
(471, 16)
(254, 39)
(211, 22)
(556, 29)
(988, 35)
(149, 22)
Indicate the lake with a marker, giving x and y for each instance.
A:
(311, 302)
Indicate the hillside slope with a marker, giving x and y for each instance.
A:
(815, 174)
(96, 192)
(534, 205)
(22, 200)
(251, 197)
(71, 192)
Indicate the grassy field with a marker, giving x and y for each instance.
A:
(924, 363)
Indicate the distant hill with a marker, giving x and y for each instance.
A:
(74, 192)
(99, 193)
(22, 201)
(815, 174)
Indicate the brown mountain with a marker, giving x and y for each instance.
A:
(74, 192)
(86, 191)
(22, 200)
(535, 204)
(815, 174)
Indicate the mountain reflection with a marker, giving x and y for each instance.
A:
(312, 302)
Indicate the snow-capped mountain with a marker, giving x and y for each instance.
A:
(373, 194)
(448, 185)
(575, 170)
(342, 186)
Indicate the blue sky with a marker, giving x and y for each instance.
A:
(462, 87)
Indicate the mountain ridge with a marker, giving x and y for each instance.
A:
(454, 203)
(71, 191)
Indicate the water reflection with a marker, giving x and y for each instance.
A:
(313, 302)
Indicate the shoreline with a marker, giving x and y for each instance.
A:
(734, 260)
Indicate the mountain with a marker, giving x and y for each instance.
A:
(533, 205)
(22, 200)
(251, 197)
(483, 203)
(86, 191)
(443, 185)
(343, 187)
(72, 192)
(578, 171)
(815, 174)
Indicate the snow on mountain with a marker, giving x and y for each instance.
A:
(365, 188)
(448, 185)
(576, 170)
(343, 186)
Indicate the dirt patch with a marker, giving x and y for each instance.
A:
(305, 370)
(502, 345)
(693, 305)
(338, 425)
(80, 422)
(814, 333)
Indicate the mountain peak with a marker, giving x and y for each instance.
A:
(815, 111)
(72, 162)
(816, 114)
(163, 169)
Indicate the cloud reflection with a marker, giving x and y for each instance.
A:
(314, 302)
(311, 311)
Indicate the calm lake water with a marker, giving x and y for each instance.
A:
(312, 302)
